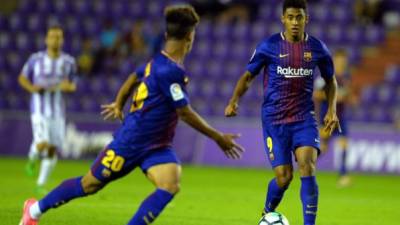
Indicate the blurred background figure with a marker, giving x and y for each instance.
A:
(343, 76)
(47, 75)
(228, 11)
(132, 48)
(86, 58)
(107, 50)
(369, 11)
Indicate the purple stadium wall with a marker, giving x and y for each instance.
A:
(371, 150)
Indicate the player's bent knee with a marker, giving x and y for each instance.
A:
(307, 168)
(172, 188)
(284, 180)
(91, 185)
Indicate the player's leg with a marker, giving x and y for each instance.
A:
(108, 166)
(306, 159)
(278, 150)
(163, 170)
(56, 137)
(56, 132)
(344, 178)
(306, 145)
(277, 187)
(47, 164)
(38, 135)
(69, 189)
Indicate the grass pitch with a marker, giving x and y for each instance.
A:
(209, 196)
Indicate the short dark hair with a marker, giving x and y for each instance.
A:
(180, 20)
(298, 4)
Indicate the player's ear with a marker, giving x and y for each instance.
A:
(307, 18)
(283, 18)
(189, 36)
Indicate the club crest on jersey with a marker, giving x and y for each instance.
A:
(106, 173)
(307, 56)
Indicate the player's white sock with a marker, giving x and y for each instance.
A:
(46, 167)
(34, 211)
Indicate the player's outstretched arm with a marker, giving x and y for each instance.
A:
(114, 109)
(241, 87)
(331, 120)
(225, 141)
(28, 86)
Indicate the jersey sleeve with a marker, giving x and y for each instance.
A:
(140, 71)
(258, 60)
(27, 69)
(172, 85)
(325, 63)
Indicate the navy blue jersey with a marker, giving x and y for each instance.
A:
(288, 76)
(152, 119)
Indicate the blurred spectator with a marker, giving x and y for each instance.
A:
(155, 38)
(132, 48)
(369, 11)
(108, 39)
(109, 35)
(229, 11)
(85, 59)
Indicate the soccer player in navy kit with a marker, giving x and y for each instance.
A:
(342, 73)
(288, 60)
(145, 137)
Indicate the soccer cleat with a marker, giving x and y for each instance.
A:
(26, 217)
(30, 168)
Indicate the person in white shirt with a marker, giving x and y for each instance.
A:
(47, 75)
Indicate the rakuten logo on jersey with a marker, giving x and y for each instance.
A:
(289, 72)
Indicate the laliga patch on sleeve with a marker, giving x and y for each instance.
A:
(176, 92)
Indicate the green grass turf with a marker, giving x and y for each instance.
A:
(209, 196)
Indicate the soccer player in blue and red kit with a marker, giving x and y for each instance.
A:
(145, 137)
(288, 60)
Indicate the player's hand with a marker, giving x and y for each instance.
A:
(228, 145)
(112, 111)
(231, 109)
(66, 86)
(331, 122)
(37, 89)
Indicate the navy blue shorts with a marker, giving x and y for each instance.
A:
(281, 140)
(112, 164)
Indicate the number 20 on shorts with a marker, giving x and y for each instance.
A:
(113, 161)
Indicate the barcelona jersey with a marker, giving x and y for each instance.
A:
(152, 119)
(289, 75)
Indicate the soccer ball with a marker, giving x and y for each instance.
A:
(273, 218)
